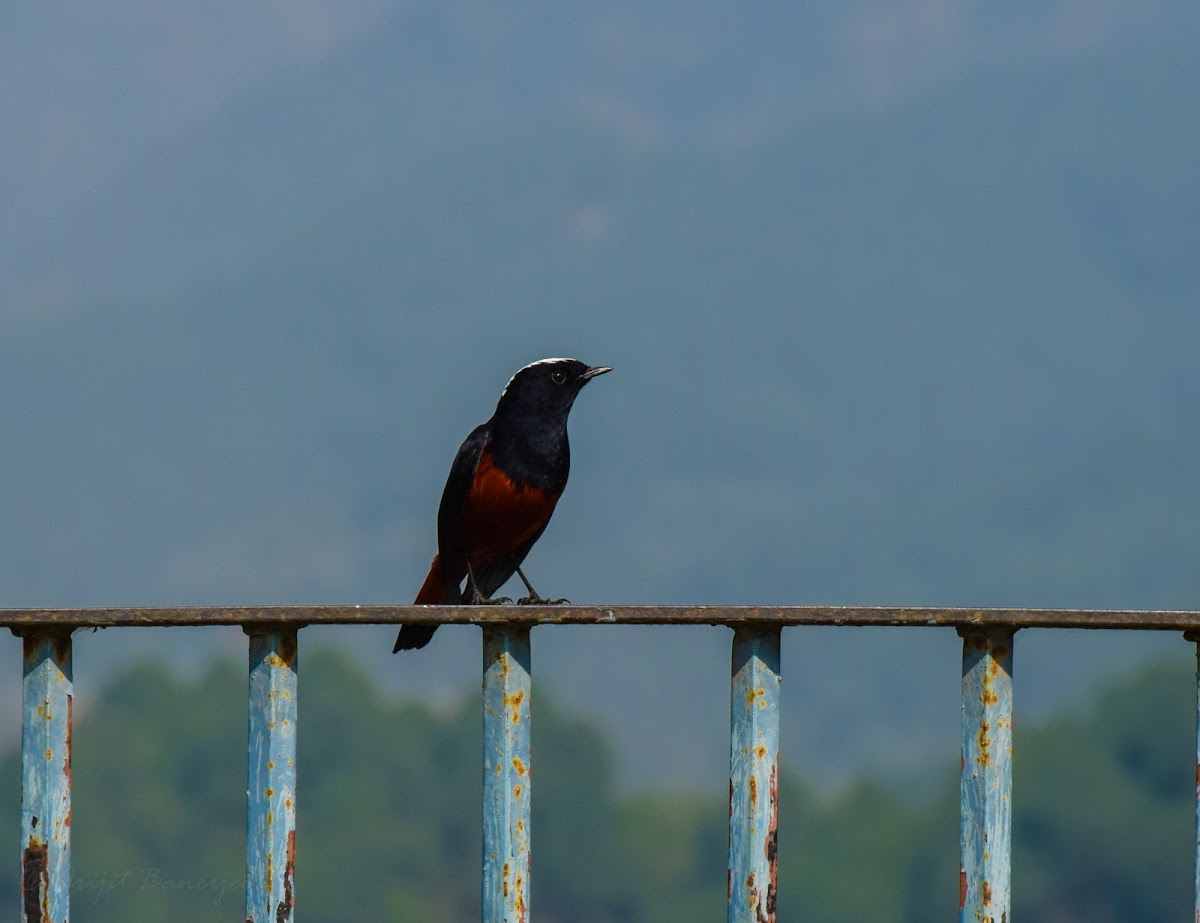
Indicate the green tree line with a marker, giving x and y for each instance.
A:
(390, 799)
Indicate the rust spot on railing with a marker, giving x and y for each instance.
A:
(287, 647)
(763, 912)
(962, 888)
(519, 899)
(62, 646)
(985, 744)
(35, 881)
(771, 847)
(729, 844)
(67, 755)
(514, 701)
(283, 912)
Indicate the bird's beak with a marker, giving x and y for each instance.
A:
(593, 372)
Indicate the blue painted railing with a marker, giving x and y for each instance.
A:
(987, 738)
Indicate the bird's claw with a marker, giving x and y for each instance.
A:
(480, 600)
(535, 600)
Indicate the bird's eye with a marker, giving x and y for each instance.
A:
(558, 376)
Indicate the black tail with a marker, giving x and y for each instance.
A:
(412, 637)
(434, 591)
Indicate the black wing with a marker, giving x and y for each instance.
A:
(458, 488)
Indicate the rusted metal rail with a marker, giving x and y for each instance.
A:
(986, 787)
(271, 774)
(46, 776)
(985, 790)
(299, 616)
(754, 773)
(507, 773)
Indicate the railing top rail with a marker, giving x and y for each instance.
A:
(1144, 619)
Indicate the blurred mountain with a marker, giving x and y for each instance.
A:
(91, 96)
(170, 135)
(902, 305)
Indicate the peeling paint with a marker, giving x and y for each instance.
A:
(47, 713)
(271, 805)
(771, 845)
(986, 776)
(507, 688)
(283, 911)
(752, 878)
(66, 768)
(35, 882)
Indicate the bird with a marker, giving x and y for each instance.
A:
(501, 492)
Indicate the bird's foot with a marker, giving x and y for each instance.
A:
(478, 599)
(533, 599)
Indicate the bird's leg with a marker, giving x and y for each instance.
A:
(473, 597)
(534, 599)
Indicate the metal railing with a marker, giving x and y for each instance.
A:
(986, 783)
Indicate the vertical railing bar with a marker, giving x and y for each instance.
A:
(271, 776)
(507, 766)
(754, 774)
(985, 838)
(1194, 637)
(46, 694)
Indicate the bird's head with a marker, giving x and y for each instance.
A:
(546, 389)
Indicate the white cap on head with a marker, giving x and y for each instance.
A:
(539, 362)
